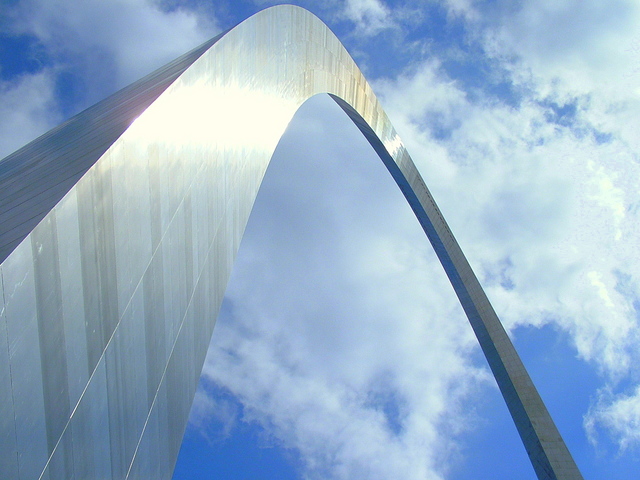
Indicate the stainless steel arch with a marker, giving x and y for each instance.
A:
(119, 231)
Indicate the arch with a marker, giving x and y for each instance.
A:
(119, 232)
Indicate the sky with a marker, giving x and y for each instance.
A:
(341, 351)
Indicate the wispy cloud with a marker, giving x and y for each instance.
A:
(547, 187)
(369, 16)
(103, 46)
(618, 416)
(28, 108)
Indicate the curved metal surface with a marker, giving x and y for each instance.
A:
(115, 261)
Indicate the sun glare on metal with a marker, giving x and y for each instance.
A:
(227, 117)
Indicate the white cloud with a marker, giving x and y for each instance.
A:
(114, 43)
(462, 8)
(570, 38)
(538, 197)
(585, 50)
(369, 16)
(28, 108)
(210, 410)
(547, 211)
(618, 415)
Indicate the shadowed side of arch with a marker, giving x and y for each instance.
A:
(110, 293)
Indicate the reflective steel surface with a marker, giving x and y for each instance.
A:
(118, 232)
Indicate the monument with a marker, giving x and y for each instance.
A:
(118, 232)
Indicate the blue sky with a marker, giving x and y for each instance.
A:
(340, 351)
